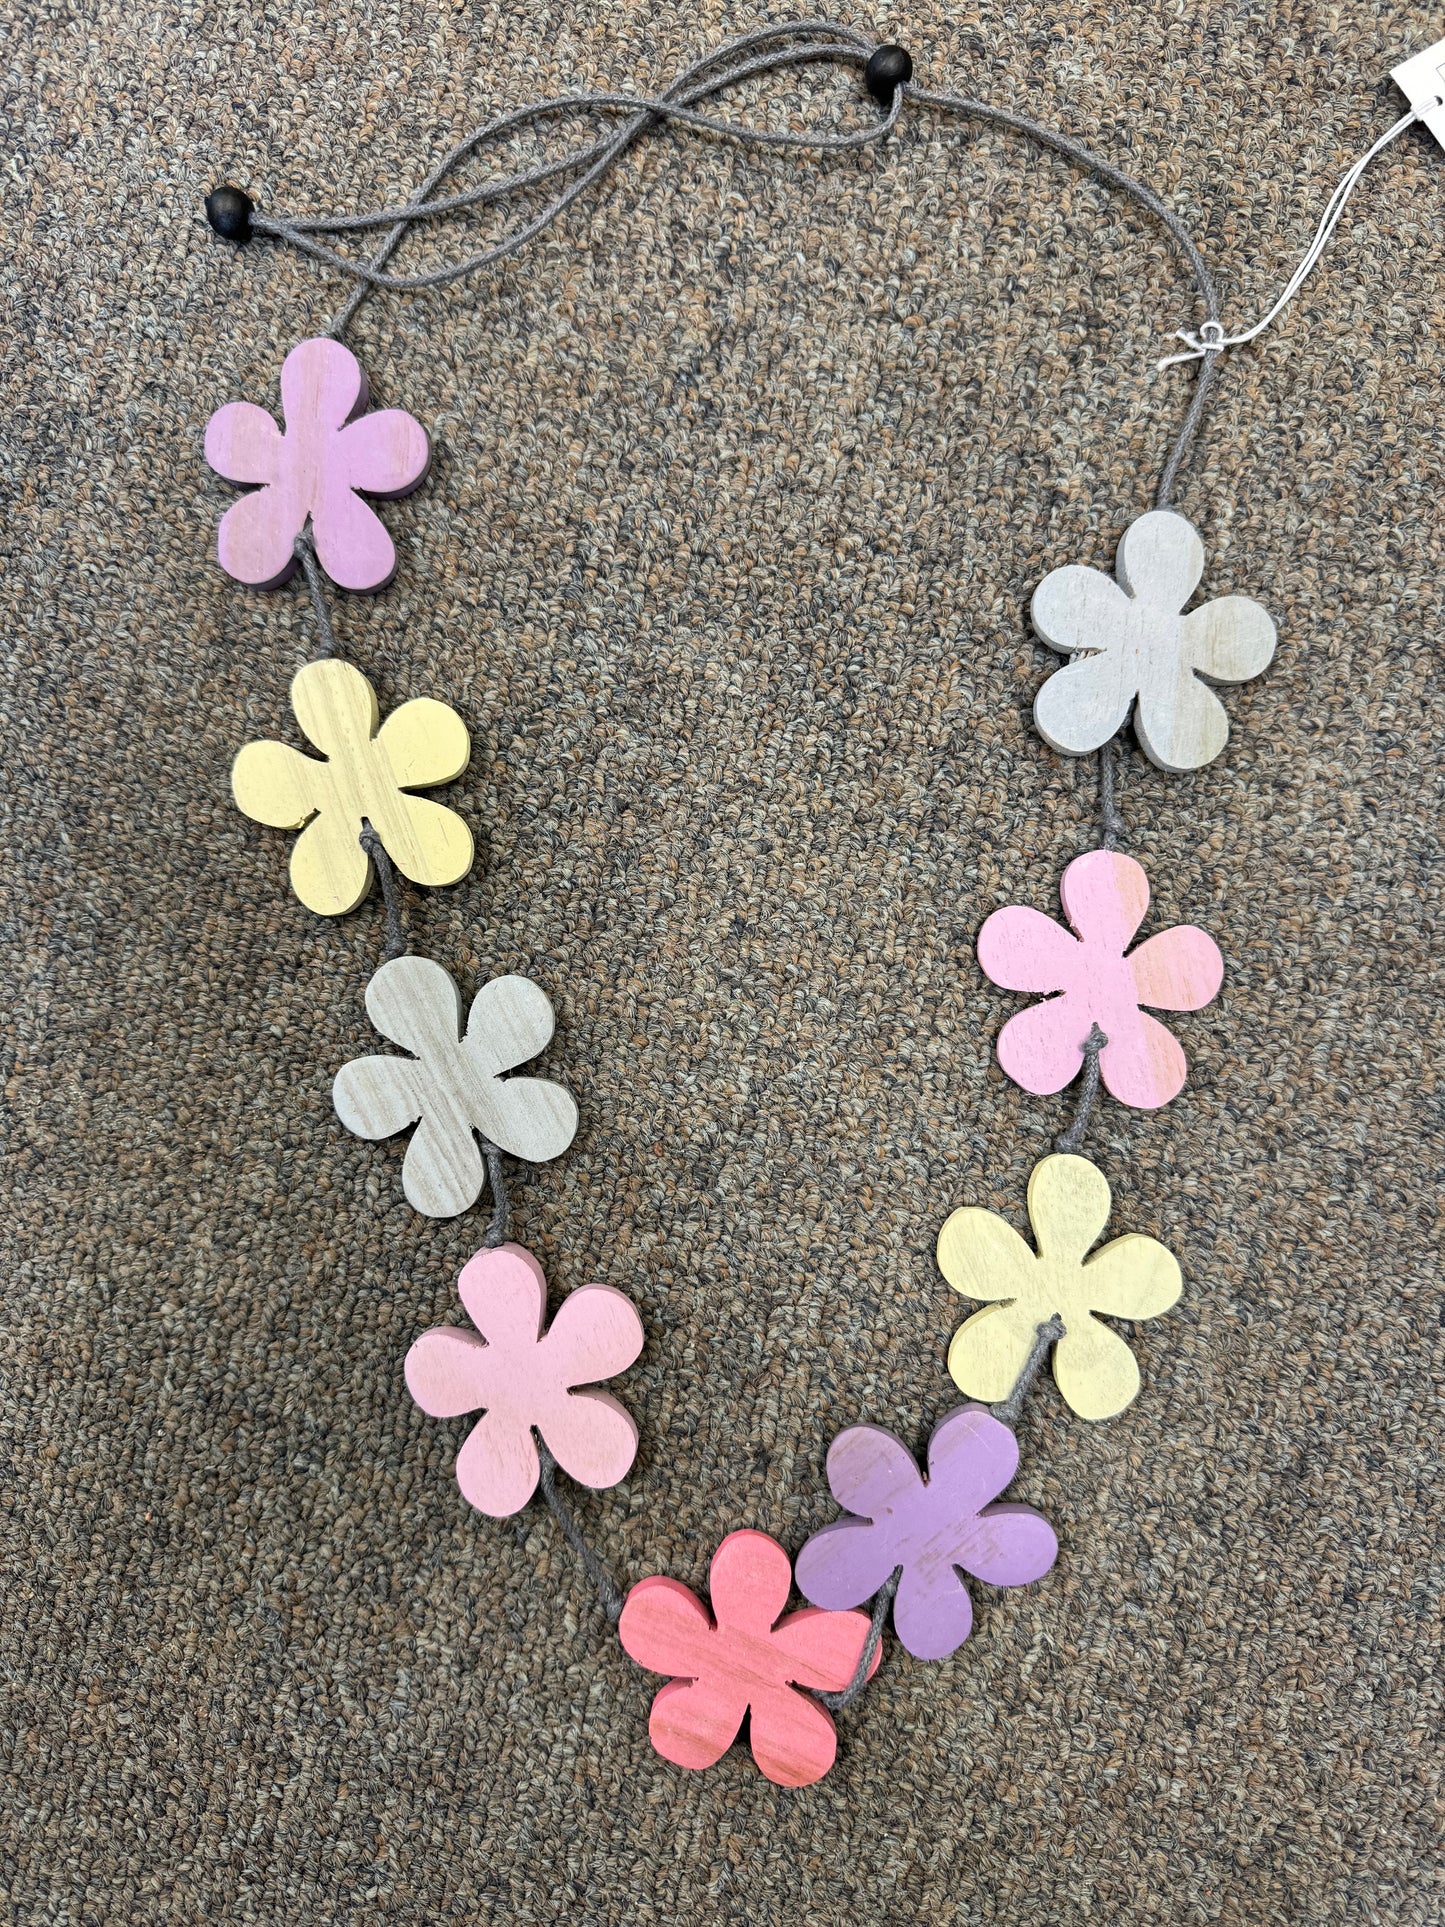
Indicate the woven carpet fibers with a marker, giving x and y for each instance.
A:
(743, 479)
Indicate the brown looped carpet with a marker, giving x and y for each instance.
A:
(743, 478)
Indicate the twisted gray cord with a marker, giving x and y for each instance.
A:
(762, 51)
(1145, 197)
(305, 552)
(1049, 1333)
(499, 1230)
(609, 1594)
(1071, 1140)
(840, 1701)
(674, 104)
(1111, 822)
(396, 944)
(1194, 415)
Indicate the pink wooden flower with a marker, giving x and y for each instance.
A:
(1105, 896)
(314, 469)
(522, 1376)
(744, 1660)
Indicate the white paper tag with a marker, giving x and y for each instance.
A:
(1422, 79)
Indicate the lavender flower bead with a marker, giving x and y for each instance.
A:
(935, 1530)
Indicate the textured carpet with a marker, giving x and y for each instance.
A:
(743, 479)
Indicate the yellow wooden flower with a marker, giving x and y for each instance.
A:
(983, 1257)
(365, 776)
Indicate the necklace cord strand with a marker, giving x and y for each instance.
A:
(396, 938)
(1111, 823)
(840, 1701)
(1046, 1336)
(1070, 1141)
(609, 1593)
(500, 1228)
(305, 553)
(752, 55)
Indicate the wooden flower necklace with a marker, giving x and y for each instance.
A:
(909, 1537)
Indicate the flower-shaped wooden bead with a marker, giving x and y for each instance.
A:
(743, 1658)
(313, 470)
(520, 1373)
(983, 1257)
(1105, 896)
(453, 1086)
(933, 1529)
(1135, 647)
(366, 776)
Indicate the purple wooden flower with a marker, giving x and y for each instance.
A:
(933, 1530)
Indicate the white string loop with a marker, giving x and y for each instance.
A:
(1210, 338)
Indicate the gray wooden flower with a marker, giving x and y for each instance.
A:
(452, 1086)
(1133, 646)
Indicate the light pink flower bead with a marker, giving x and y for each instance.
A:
(313, 470)
(521, 1375)
(1105, 896)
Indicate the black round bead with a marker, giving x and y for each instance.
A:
(229, 212)
(888, 69)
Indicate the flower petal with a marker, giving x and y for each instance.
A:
(243, 443)
(932, 1612)
(1230, 639)
(336, 708)
(1181, 724)
(592, 1437)
(870, 1471)
(426, 841)
(971, 1458)
(694, 1722)
(1075, 608)
(1068, 1206)
(505, 1294)
(414, 1002)
(749, 1580)
(822, 1649)
(1160, 560)
(330, 871)
(845, 1564)
(595, 1334)
(256, 537)
(1022, 949)
(424, 742)
(1042, 1048)
(1095, 1370)
(1134, 1277)
(794, 1740)
(386, 453)
(982, 1256)
(442, 1174)
(531, 1117)
(509, 1023)
(1105, 895)
(1144, 1064)
(1084, 705)
(990, 1349)
(376, 1097)
(448, 1372)
(322, 387)
(666, 1628)
(1179, 969)
(275, 784)
(1008, 1545)
(352, 544)
(497, 1467)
